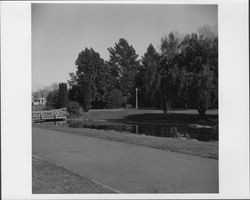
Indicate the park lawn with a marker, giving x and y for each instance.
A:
(106, 114)
(48, 178)
(180, 117)
(186, 146)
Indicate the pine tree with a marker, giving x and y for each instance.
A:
(148, 78)
(124, 66)
(63, 95)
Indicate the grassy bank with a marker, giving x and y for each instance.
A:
(121, 113)
(48, 178)
(193, 147)
(182, 117)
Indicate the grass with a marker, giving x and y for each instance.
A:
(48, 178)
(192, 147)
(107, 114)
(153, 116)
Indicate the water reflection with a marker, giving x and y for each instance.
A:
(173, 131)
(181, 131)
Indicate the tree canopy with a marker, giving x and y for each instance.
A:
(93, 71)
(124, 66)
(182, 73)
(148, 78)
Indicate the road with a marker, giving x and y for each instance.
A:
(125, 167)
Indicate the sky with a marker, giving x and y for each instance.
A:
(61, 31)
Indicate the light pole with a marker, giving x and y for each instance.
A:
(136, 99)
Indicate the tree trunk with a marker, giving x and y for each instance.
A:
(186, 106)
(201, 111)
(166, 106)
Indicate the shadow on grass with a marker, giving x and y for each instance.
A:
(172, 118)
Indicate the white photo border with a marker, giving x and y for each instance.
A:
(233, 102)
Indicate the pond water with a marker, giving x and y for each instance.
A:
(159, 130)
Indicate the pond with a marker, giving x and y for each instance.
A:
(197, 132)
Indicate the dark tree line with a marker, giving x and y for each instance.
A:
(111, 82)
(183, 74)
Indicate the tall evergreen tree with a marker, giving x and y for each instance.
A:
(63, 95)
(124, 66)
(148, 79)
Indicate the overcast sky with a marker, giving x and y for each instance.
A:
(61, 31)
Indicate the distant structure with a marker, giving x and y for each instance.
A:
(39, 100)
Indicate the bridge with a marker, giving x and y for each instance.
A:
(48, 115)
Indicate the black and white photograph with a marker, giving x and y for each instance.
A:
(124, 98)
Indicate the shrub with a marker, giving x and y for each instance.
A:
(115, 99)
(81, 93)
(53, 99)
(85, 96)
(74, 107)
(73, 93)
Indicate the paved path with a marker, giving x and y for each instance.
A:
(125, 167)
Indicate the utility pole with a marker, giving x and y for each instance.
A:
(136, 99)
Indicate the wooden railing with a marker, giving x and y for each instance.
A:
(49, 114)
